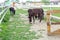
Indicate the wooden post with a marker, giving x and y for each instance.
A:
(57, 32)
(48, 23)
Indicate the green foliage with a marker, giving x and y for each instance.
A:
(7, 17)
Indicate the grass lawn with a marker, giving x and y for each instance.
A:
(56, 14)
(16, 29)
(55, 8)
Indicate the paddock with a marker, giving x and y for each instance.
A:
(17, 27)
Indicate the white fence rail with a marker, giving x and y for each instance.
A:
(32, 6)
(55, 17)
(4, 13)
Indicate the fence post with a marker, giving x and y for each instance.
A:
(48, 23)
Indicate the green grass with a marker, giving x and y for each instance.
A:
(56, 14)
(22, 11)
(16, 29)
(55, 8)
(47, 8)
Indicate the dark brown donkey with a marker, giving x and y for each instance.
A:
(35, 13)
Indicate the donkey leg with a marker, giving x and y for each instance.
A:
(40, 19)
(33, 19)
(35, 16)
(30, 19)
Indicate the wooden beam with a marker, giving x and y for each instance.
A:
(56, 11)
(55, 23)
(57, 32)
(53, 11)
